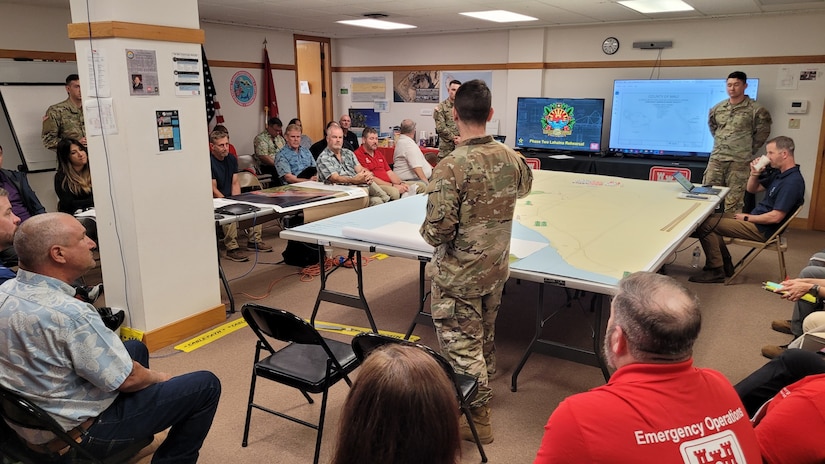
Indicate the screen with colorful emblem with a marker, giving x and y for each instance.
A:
(560, 124)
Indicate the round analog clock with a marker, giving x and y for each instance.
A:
(610, 45)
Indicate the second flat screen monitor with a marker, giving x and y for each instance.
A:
(560, 124)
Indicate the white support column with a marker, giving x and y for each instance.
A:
(154, 208)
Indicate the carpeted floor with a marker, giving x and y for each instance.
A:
(736, 323)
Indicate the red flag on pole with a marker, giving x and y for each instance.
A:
(270, 99)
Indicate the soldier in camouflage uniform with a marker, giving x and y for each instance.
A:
(470, 204)
(64, 120)
(444, 124)
(740, 127)
(267, 144)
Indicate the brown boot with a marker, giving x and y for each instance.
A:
(481, 419)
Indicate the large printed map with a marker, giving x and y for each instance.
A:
(597, 227)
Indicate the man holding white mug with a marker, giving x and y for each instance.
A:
(785, 193)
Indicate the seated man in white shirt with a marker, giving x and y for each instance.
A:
(409, 162)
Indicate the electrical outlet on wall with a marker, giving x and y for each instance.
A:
(793, 123)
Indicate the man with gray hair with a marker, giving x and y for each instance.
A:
(657, 407)
(408, 160)
(56, 351)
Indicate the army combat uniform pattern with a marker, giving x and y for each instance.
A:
(470, 203)
(445, 128)
(62, 120)
(739, 131)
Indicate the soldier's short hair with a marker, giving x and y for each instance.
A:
(454, 81)
(738, 75)
(782, 143)
(367, 131)
(72, 77)
(274, 122)
(474, 103)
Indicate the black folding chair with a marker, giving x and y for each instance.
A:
(310, 362)
(23, 413)
(466, 386)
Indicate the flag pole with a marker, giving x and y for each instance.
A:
(266, 107)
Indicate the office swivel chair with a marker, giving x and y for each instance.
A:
(466, 386)
(309, 363)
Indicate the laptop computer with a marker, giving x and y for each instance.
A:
(682, 180)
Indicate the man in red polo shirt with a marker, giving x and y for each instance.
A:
(375, 162)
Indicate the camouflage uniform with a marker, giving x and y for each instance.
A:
(470, 204)
(445, 128)
(739, 131)
(62, 120)
(266, 146)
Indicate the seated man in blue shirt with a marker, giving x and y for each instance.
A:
(785, 194)
(56, 352)
(295, 163)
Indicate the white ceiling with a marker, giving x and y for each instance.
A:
(318, 17)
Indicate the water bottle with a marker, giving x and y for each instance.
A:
(697, 253)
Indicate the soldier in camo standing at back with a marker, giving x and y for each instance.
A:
(740, 127)
(470, 203)
(445, 126)
(64, 120)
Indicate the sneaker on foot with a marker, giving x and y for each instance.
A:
(237, 255)
(710, 276)
(773, 351)
(258, 246)
(782, 326)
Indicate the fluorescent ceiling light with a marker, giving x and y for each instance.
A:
(657, 6)
(500, 16)
(376, 24)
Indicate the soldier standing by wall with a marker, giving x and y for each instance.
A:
(64, 120)
(445, 126)
(740, 127)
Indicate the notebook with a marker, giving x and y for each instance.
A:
(682, 180)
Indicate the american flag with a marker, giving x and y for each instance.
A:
(213, 106)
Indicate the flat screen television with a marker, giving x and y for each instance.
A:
(560, 124)
(666, 118)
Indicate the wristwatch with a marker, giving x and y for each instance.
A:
(745, 219)
(814, 290)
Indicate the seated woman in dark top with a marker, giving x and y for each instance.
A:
(73, 180)
(73, 183)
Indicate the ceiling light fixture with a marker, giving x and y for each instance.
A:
(499, 16)
(375, 23)
(656, 6)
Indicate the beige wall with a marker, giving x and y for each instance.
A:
(729, 38)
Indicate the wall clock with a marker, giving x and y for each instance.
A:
(610, 45)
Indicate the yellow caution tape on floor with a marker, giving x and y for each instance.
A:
(226, 329)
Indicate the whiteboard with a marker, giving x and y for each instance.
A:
(22, 123)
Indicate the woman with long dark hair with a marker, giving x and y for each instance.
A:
(73, 180)
(402, 409)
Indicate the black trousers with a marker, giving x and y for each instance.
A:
(787, 368)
